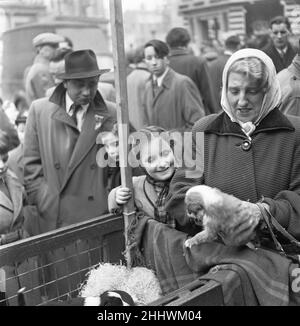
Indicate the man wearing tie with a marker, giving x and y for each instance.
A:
(61, 175)
(279, 48)
(172, 101)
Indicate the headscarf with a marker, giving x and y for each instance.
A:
(272, 96)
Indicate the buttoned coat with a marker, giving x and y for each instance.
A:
(176, 105)
(61, 174)
(269, 170)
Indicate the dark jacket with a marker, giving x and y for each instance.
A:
(196, 68)
(269, 170)
(279, 62)
(176, 105)
(216, 68)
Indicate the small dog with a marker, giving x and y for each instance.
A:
(108, 298)
(216, 211)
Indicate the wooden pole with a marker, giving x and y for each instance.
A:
(120, 68)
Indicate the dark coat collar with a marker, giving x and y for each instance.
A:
(222, 125)
(178, 51)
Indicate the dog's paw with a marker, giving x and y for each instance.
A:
(189, 243)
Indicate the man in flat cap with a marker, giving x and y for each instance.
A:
(61, 174)
(38, 78)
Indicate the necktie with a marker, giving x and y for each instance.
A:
(155, 87)
(74, 109)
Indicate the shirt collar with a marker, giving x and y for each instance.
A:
(69, 103)
(280, 51)
(160, 79)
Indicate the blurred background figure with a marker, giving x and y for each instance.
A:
(172, 100)
(232, 44)
(21, 103)
(136, 84)
(38, 78)
(279, 48)
(289, 79)
(185, 63)
(57, 67)
(7, 127)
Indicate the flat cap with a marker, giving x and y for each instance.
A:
(47, 38)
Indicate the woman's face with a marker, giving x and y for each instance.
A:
(3, 164)
(158, 159)
(244, 97)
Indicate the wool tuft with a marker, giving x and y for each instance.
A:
(140, 282)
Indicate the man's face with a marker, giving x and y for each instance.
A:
(48, 51)
(279, 35)
(156, 65)
(82, 91)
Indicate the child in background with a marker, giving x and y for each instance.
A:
(110, 140)
(150, 190)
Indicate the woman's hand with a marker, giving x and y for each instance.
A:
(123, 195)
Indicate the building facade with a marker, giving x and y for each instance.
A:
(216, 19)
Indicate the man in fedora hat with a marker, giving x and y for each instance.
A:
(61, 175)
(37, 78)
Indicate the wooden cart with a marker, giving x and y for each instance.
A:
(104, 237)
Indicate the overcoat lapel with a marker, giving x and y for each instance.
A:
(86, 140)
(61, 115)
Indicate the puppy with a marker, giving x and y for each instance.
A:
(216, 211)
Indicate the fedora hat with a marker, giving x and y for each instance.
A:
(81, 64)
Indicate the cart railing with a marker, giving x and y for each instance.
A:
(53, 265)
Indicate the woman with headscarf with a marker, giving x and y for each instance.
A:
(251, 151)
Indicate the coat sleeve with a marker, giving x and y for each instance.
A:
(33, 170)
(204, 84)
(9, 129)
(192, 105)
(185, 178)
(41, 82)
(285, 206)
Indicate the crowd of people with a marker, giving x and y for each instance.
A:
(241, 112)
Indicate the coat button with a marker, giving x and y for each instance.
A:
(57, 166)
(93, 166)
(294, 78)
(90, 198)
(246, 145)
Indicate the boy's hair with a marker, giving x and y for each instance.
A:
(280, 20)
(178, 36)
(4, 143)
(161, 48)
